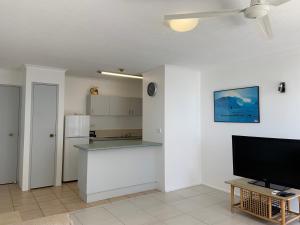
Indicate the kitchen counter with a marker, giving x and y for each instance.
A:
(116, 144)
(114, 168)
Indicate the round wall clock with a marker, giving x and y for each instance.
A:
(151, 89)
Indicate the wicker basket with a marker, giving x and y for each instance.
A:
(259, 204)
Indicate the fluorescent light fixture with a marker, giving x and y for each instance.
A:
(120, 75)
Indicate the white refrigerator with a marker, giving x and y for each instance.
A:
(77, 131)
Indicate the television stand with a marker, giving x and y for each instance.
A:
(269, 185)
(260, 202)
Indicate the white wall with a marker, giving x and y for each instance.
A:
(153, 117)
(77, 90)
(36, 74)
(153, 107)
(182, 128)
(279, 112)
(176, 110)
(10, 77)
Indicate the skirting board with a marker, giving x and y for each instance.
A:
(93, 197)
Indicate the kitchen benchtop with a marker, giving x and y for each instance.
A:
(116, 144)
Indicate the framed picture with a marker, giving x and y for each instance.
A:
(239, 105)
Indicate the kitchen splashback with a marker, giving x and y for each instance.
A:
(119, 133)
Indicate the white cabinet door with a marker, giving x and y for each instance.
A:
(98, 105)
(119, 106)
(136, 107)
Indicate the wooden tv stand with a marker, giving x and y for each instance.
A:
(260, 202)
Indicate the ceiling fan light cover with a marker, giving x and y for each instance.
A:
(183, 25)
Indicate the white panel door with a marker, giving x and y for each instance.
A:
(43, 141)
(9, 129)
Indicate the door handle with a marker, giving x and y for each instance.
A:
(51, 135)
(11, 134)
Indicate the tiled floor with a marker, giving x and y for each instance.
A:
(198, 205)
(46, 201)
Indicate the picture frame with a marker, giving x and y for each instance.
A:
(239, 105)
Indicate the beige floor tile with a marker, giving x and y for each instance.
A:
(183, 220)
(116, 199)
(63, 188)
(50, 204)
(97, 203)
(5, 195)
(75, 206)
(65, 194)
(163, 212)
(6, 208)
(10, 218)
(54, 211)
(146, 202)
(28, 207)
(45, 198)
(3, 187)
(42, 192)
(19, 195)
(31, 214)
(167, 197)
(14, 187)
(134, 195)
(69, 200)
(21, 201)
(5, 201)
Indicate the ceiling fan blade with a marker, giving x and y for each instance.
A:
(277, 2)
(265, 25)
(203, 14)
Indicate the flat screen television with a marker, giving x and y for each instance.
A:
(273, 163)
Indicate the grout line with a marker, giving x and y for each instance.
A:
(118, 219)
(38, 204)
(11, 199)
(60, 200)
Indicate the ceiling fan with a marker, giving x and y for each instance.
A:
(258, 10)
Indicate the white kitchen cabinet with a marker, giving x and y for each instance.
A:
(119, 106)
(98, 105)
(136, 106)
(114, 106)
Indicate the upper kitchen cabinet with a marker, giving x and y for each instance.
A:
(114, 106)
(119, 106)
(136, 105)
(98, 105)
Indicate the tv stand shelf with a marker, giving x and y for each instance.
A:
(260, 202)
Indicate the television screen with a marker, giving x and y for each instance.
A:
(267, 159)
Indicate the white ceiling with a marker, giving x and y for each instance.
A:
(86, 35)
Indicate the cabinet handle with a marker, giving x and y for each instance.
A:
(11, 134)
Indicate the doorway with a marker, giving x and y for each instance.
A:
(9, 133)
(43, 135)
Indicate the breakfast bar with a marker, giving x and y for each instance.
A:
(115, 168)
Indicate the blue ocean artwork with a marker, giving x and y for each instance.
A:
(237, 105)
